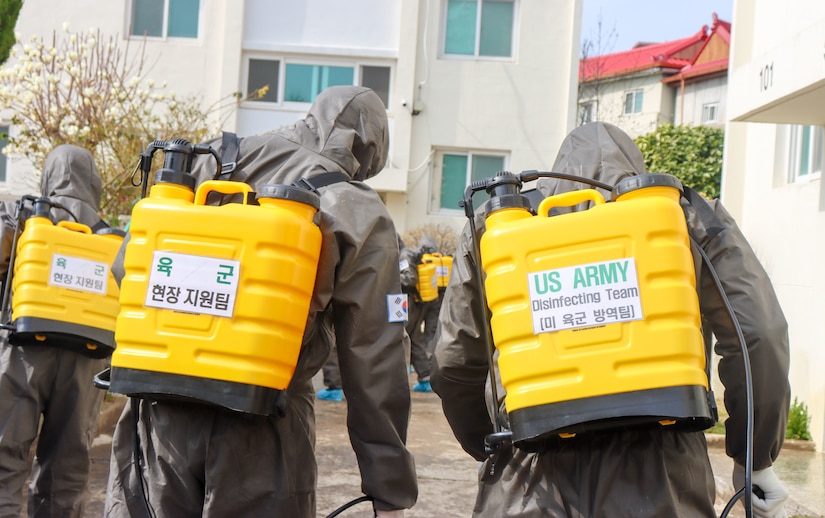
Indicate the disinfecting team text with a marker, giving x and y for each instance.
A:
(584, 295)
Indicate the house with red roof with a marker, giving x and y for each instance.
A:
(683, 81)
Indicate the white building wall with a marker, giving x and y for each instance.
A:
(208, 66)
(777, 77)
(657, 107)
(689, 104)
(523, 106)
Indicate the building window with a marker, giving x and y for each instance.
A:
(805, 152)
(4, 139)
(302, 82)
(481, 28)
(710, 112)
(377, 78)
(165, 18)
(587, 112)
(458, 170)
(263, 73)
(633, 101)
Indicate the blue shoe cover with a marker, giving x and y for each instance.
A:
(331, 394)
(422, 386)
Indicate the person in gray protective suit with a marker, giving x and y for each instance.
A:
(51, 383)
(642, 472)
(203, 460)
(420, 312)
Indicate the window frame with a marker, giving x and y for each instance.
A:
(636, 92)
(283, 61)
(814, 155)
(165, 24)
(592, 107)
(710, 107)
(437, 175)
(477, 43)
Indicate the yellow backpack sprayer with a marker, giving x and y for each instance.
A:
(59, 289)
(427, 285)
(443, 266)
(594, 314)
(215, 299)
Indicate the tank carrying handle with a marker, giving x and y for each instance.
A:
(569, 199)
(77, 227)
(223, 187)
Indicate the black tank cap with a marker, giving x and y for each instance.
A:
(289, 192)
(505, 193)
(640, 181)
(176, 177)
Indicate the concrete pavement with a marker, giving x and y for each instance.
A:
(447, 475)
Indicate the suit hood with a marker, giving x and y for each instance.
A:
(597, 151)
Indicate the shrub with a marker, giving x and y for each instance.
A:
(81, 88)
(798, 422)
(691, 153)
(445, 237)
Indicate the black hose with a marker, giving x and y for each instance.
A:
(137, 460)
(349, 504)
(748, 489)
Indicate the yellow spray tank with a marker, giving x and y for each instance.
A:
(443, 266)
(595, 314)
(215, 299)
(63, 293)
(427, 285)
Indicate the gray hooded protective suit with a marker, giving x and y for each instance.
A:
(207, 461)
(426, 313)
(50, 382)
(633, 473)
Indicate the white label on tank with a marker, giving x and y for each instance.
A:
(193, 284)
(584, 295)
(75, 273)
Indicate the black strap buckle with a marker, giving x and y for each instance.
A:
(304, 183)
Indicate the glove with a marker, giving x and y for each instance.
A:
(398, 513)
(772, 503)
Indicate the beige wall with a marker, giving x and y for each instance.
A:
(657, 107)
(207, 66)
(777, 77)
(523, 107)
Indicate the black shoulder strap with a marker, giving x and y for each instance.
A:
(99, 226)
(321, 180)
(709, 219)
(230, 147)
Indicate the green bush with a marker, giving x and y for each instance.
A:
(798, 422)
(691, 153)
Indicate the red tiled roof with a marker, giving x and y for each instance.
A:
(676, 54)
(705, 69)
(720, 29)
